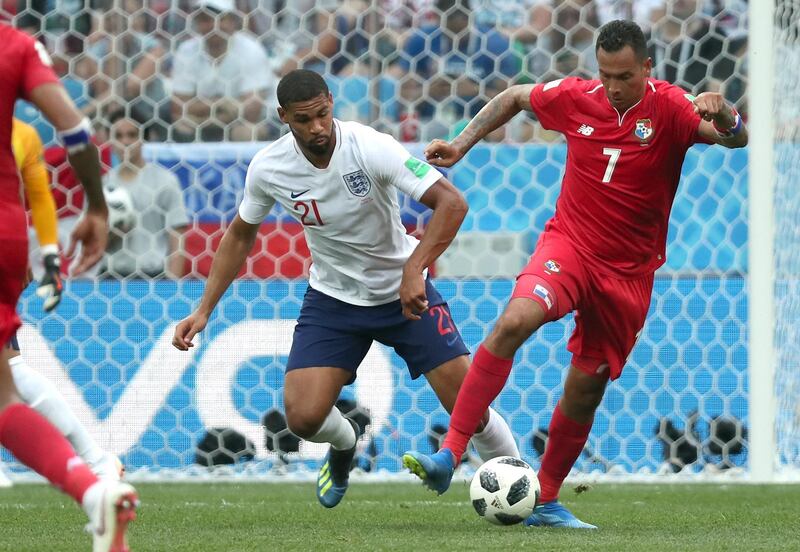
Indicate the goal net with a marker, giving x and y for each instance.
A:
(417, 70)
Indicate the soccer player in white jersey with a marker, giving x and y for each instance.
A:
(368, 280)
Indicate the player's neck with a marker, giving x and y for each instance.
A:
(320, 161)
(130, 169)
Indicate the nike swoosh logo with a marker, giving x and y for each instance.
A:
(452, 341)
(295, 195)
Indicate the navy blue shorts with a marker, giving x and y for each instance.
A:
(336, 334)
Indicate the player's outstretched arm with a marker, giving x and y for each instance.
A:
(75, 133)
(495, 114)
(449, 210)
(721, 123)
(228, 260)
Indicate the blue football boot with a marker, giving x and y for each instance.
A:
(555, 514)
(334, 475)
(435, 470)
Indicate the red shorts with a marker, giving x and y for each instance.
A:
(610, 312)
(13, 264)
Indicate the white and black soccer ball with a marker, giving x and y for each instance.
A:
(121, 211)
(504, 490)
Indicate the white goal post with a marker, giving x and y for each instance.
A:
(761, 224)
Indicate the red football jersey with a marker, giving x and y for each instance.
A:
(24, 65)
(622, 169)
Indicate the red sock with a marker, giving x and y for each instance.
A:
(38, 444)
(565, 442)
(486, 377)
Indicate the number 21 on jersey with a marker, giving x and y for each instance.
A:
(309, 213)
(613, 156)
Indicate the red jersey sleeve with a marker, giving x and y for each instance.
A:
(550, 100)
(37, 67)
(685, 120)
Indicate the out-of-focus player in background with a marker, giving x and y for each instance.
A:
(627, 135)
(368, 280)
(35, 389)
(26, 72)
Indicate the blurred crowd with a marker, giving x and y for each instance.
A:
(206, 70)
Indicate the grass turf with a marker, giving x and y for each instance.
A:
(266, 517)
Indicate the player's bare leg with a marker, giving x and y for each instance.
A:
(35, 442)
(309, 396)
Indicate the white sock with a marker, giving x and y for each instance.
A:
(335, 430)
(496, 439)
(39, 393)
(91, 502)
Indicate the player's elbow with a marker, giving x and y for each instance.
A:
(456, 206)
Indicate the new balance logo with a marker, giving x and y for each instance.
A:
(586, 130)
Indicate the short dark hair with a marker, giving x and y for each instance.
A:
(615, 35)
(300, 85)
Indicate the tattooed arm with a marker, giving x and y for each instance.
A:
(495, 114)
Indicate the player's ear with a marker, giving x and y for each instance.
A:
(282, 114)
(330, 98)
(648, 66)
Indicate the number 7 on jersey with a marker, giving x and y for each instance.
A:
(613, 154)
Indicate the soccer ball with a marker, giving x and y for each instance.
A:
(504, 491)
(121, 212)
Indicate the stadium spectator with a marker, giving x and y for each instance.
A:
(644, 13)
(448, 68)
(128, 58)
(572, 38)
(222, 80)
(151, 244)
(301, 36)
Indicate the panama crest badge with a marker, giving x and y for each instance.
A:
(644, 129)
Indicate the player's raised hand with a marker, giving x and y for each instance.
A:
(711, 106)
(92, 233)
(413, 298)
(442, 154)
(187, 329)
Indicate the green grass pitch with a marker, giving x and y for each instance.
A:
(281, 517)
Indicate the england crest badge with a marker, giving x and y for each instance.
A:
(644, 129)
(358, 183)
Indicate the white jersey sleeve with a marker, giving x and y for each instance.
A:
(257, 201)
(392, 164)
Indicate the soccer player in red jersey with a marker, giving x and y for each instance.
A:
(627, 135)
(25, 72)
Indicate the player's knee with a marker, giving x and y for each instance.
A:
(581, 399)
(302, 422)
(515, 326)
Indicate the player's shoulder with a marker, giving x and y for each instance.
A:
(362, 137)
(275, 154)
(21, 128)
(26, 136)
(189, 48)
(354, 129)
(570, 85)
(11, 36)
(246, 44)
(669, 93)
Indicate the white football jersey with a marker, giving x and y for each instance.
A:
(349, 210)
